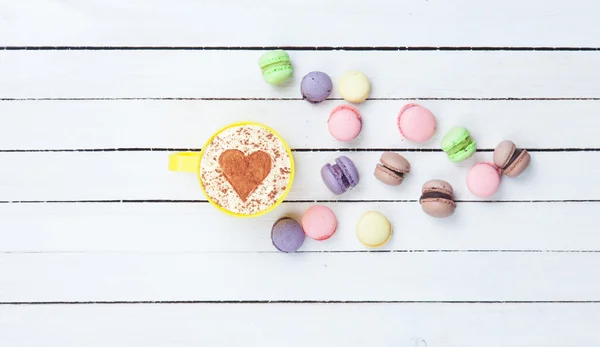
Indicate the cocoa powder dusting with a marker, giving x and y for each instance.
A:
(272, 194)
(245, 172)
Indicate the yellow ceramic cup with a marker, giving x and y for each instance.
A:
(190, 162)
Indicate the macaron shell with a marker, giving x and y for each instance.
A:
(316, 86)
(416, 123)
(464, 154)
(333, 179)
(319, 222)
(387, 176)
(273, 56)
(483, 179)
(519, 165)
(439, 208)
(503, 152)
(287, 235)
(437, 185)
(278, 74)
(354, 86)
(395, 161)
(349, 170)
(344, 123)
(373, 229)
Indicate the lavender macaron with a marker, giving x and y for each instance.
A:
(340, 176)
(287, 235)
(316, 86)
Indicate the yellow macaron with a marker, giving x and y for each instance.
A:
(373, 229)
(354, 86)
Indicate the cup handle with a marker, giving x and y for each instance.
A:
(185, 162)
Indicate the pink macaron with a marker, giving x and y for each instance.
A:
(416, 123)
(344, 123)
(483, 179)
(319, 222)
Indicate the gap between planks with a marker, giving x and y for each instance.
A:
(279, 302)
(317, 251)
(301, 48)
(397, 149)
(170, 201)
(418, 98)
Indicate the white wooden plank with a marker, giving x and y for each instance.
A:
(144, 175)
(199, 228)
(235, 74)
(188, 124)
(412, 325)
(310, 23)
(305, 276)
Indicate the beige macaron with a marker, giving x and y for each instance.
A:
(437, 199)
(512, 160)
(391, 168)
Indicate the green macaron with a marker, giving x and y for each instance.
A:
(276, 67)
(458, 144)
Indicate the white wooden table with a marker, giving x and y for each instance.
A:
(100, 245)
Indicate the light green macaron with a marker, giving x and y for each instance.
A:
(373, 229)
(276, 67)
(458, 144)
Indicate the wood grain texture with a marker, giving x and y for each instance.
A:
(235, 74)
(412, 325)
(308, 23)
(148, 124)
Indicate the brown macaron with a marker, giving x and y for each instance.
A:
(512, 160)
(391, 168)
(437, 199)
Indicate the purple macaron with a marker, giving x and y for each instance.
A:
(287, 235)
(316, 86)
(340, 176)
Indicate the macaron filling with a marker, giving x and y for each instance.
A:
(339, 175)
(464, 145)
(276, 67)
(394, 171)
(435, 195)
(513, 158)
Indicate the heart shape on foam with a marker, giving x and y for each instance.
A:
(245, 172)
